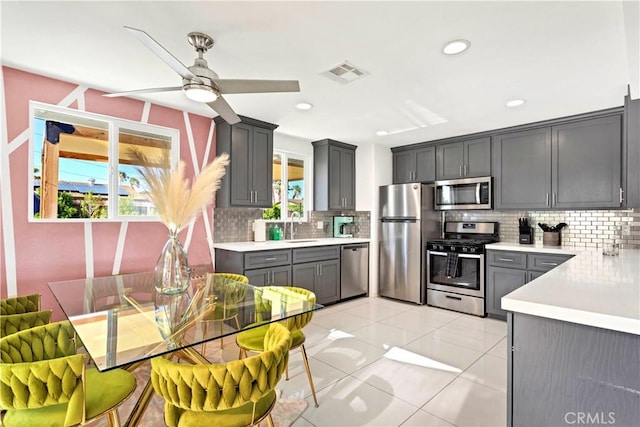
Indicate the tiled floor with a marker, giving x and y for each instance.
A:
(378, 362)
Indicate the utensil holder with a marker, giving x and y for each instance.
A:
(551, 238)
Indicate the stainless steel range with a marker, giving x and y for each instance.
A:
(455, 266)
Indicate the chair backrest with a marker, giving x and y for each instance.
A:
(40, 343)
(12, 323)
(39, 369)
(207, 388)
(300, 321)
(232, 287)
(18, 305)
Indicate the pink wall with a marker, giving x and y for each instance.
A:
(33, 254)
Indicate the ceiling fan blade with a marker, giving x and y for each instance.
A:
(164, 54)
(221, 107)
(257, 86)
(138, 91)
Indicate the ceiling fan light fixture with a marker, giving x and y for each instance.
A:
(199, 93)
(455, 47)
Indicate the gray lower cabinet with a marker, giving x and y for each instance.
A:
(334, 172)
(414, 165)
(261, 267)
(561, 373)
(276, 276)
(249, 175)
(464, 159)
(575, 165)
(319, 273)
(508, 270)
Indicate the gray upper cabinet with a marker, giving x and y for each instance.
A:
(249, 174)
(632, 151)
(334, 174)
(464, 159)
(586, 164)
(415, 165)
(522, 169)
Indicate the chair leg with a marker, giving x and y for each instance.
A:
(221, 338)
(269, 421)
(113, 420)
(286, 377)
(204, 334)
(306, 365)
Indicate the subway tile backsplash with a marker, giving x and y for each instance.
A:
(235, 224)
(589, 228)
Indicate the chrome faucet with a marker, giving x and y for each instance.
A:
(294, 214)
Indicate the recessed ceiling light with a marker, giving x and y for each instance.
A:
(382, 133)
(304, 106)
(514, 102)
(456, 46)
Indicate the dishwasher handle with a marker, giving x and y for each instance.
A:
(354, 247)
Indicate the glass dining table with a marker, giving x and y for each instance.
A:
(122, 321)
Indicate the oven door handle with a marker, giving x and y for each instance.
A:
(473, 256)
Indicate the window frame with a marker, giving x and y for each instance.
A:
(308, 190)
(114, 125)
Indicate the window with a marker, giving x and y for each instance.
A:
(291, 186)
(83, 168)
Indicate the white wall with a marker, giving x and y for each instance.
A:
(292, 143)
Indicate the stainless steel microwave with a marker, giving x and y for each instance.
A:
(466, 193)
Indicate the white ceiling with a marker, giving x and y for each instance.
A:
(563, 57)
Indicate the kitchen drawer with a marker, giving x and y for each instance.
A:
(545, 262)
(316, 253)
(507, 259)
(261, 259)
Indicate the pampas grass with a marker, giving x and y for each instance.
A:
(176, 202)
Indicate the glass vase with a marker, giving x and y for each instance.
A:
(171, 319)
(172, 273)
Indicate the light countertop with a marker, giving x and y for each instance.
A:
(287, 244)
(536, 248)
(589, 289)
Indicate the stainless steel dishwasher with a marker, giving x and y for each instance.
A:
(354, 270)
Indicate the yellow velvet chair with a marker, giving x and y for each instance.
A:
(232, 394)
(18, 305)
(12, 323)
(44, 383)
(230, 290)
(252, 339)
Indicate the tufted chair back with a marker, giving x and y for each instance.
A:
(219, 387)
(12, 323)
(55, 377)
(298, 322)
(18, 305)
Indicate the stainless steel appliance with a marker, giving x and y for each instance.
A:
(467, 193)
(407, 221)
(343, 226)
(354, 270)
(455, 266)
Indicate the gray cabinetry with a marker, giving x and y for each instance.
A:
(562, 373)
(508, 270)
(464, 159)
(522, 169)
(632, 152)
(586, 164)
(414, 165)
(567, 166)
(278, 276)
(320, 273)
(334, 171)
(261, 267)
(249, 174)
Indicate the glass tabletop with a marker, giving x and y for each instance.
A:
(123, 320)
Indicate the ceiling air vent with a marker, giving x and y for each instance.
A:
(345, 72)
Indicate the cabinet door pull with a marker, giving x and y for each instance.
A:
(555, 199)
(251, 196)
(455, 298)
(460, 172)
(554, 264)
(505, 259)
(465, 169)
(271, 259)
(320, 265)
(547, 202)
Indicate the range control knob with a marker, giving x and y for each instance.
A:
(465, 249)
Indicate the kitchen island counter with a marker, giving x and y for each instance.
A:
(590, 289)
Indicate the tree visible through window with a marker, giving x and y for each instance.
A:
(288, 186)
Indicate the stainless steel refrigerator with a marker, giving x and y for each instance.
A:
(407, 221)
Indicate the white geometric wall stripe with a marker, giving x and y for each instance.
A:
(117, 259)
(88, 248)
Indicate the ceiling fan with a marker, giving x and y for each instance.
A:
(200, 83)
